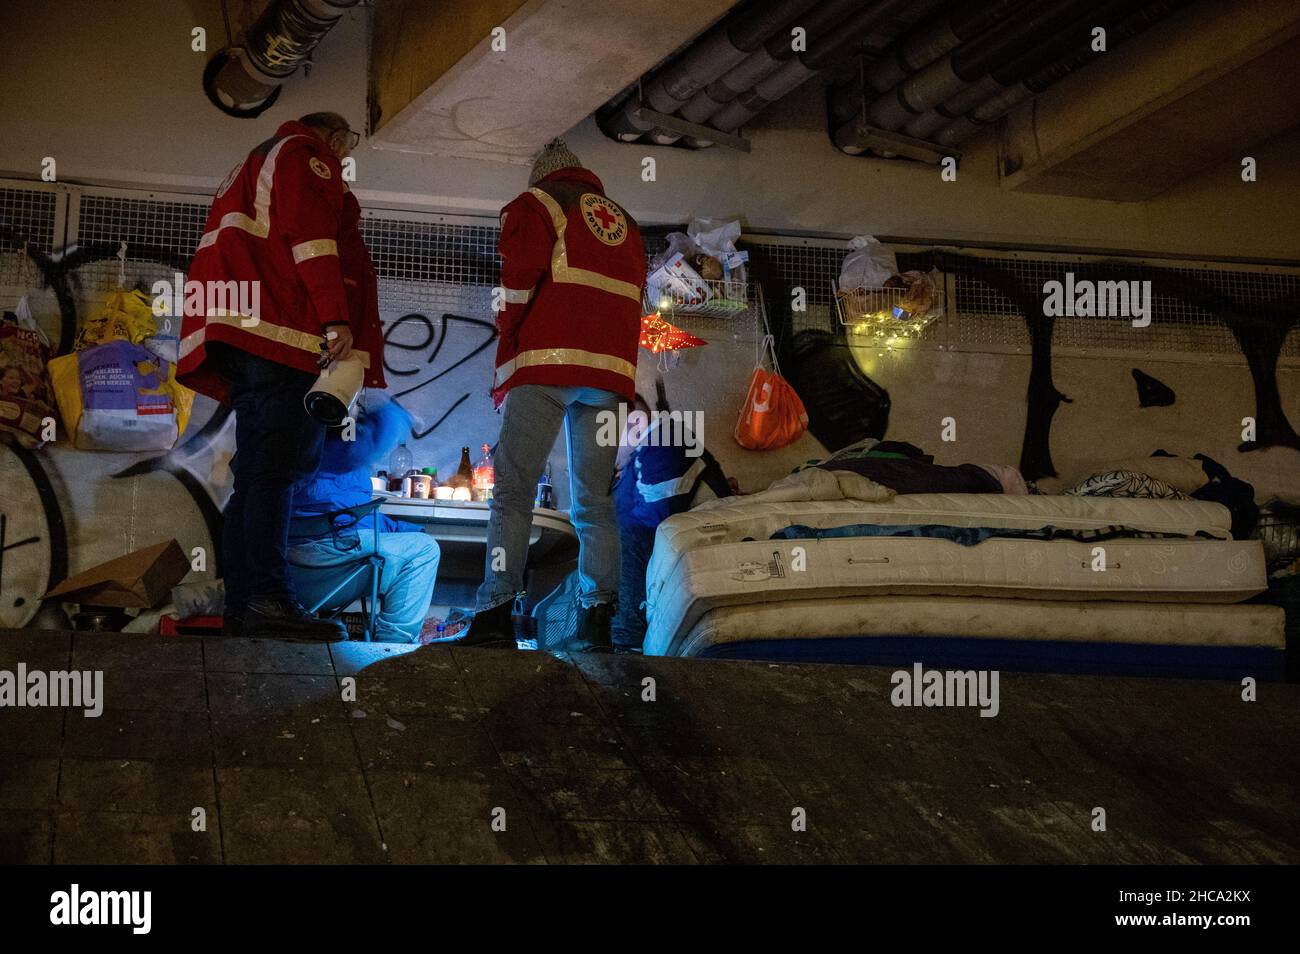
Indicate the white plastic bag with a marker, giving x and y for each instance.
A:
(718, 238)
(868, 264)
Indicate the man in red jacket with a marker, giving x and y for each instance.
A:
(573, 268)
(288, 285)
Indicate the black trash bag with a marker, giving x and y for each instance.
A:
(843, 404)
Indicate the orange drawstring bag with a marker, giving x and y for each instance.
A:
(773, 415)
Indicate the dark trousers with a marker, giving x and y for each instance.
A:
(629, 623)
(277, 445)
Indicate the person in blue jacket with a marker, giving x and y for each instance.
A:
(653, 482)
(319, 561)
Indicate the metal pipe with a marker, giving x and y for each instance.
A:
(967, 62)
(763, 61)
(244, 80)
(799, 70)
(1036, 53)
(1078, 56)
(719, 50)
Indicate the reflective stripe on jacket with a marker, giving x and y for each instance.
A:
(573, 268)
(284, 223)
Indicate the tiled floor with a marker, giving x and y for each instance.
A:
(446, 755)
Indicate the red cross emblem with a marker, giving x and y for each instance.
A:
(604, 218)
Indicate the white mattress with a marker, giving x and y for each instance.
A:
(702, 559)
(733, 519)
(983, 618)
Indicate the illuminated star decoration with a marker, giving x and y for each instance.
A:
(658, 335)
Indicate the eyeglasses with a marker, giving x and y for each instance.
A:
(353, 137)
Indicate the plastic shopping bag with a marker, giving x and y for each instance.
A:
(868, 264)
(125, 315)
(773, 415)
(119, 396)
(25, 398)
(716, 239)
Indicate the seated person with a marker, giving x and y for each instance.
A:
(319, 561)
(652, 483)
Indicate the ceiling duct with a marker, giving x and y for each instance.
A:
(762, 63)
(932, 40)
(243, 80)
(718, 84)
(717, 52)
(1020, 51)
(1052, 39)
(1032, 83)
(822, 52)
(948, 75)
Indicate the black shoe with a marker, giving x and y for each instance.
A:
(493, 628)
(593, 630)
(287, 619)
(232, 626)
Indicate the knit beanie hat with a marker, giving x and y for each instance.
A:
(553, 157)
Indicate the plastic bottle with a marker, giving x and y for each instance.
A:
(399, 463)
(483, 476)
(545, 491)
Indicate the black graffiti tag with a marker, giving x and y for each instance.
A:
(434, 338)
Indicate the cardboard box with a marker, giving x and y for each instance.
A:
(139, 580)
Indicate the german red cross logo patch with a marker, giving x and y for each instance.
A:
(604, 218)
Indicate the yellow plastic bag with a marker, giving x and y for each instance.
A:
(127, 316)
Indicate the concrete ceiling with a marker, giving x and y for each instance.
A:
(1197, 89)
(439, 87)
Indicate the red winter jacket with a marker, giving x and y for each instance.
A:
(573, 270)
(286, 220)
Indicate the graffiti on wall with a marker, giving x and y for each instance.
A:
(62, 509)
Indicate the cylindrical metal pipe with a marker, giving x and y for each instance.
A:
(929, 41)
(1039, 51)
(1079, 54)
(970, 60)
(763, 61)
(822, 51)
(719, 50)
(242, 80)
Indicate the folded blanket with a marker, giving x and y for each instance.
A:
(814, 484)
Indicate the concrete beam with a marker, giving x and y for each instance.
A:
(441, 88)
(1197, 89)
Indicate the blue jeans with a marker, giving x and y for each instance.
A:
(532, 416)
(277, 444)
(629, 625)
(410, 568)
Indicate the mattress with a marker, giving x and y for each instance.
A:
(720, 556)
(1095, 622)
(732, 519)
(1198, 641)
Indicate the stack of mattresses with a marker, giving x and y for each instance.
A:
(719, 584)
